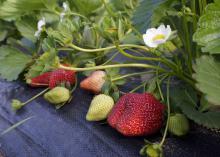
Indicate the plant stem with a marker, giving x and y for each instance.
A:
(77, 14)
(111, 58)
(187, 40)
(136, 57)
(36, 96)
(108, 48)
(200, 7)
(133, 74)
(204, 4)
(138, 87)
(168, 113)
(135, 65)
(162, 60)
(193, 8)
(108, 9)
(144, 83)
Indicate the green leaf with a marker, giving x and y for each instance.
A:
(162, 10)
(11, 9)
(208, 32)
(27, 26)
(46, 62)
(210, 119)
(3, 35)
(64, 32)
(208, 78)
(86, 7)
(50, 4)
(89, 36)
(185, 98)
(48, 44)
(12, 62)
(142, 15)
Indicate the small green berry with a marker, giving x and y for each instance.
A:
(178, 124)
(57, 95)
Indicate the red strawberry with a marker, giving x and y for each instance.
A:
(94, 82)
(40, 81)
(61, 76)
(137, 115)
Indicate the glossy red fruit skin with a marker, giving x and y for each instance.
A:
(137, 115)
(61, 76)
(40, 81)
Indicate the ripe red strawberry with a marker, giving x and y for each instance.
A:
(40, 81)
(94, 82)
(137, 115)
(61, 76)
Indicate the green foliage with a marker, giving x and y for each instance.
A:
(3, 35)
(27, 26)
(208, 78)
(12, 62)
(63, 34)
(208, 33)
(11, 9)
(163, 10)
(110, 86)
(46, 62)
(185, 98)
(86, 7)
(142, 15)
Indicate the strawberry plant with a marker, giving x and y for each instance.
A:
(173, 43)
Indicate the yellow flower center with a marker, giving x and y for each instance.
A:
(159, 37)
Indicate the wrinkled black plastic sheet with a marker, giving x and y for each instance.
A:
(66, 133)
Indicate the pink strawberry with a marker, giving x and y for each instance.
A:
(40, 81)
(94, 82)
(137, 115)
(61, 76)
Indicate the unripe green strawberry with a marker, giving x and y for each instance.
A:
(178, 124)
(57, 95)
(152, 150)
(100, 107)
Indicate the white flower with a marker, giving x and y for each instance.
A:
(65, 6)
(40, 25)
(155, 37)
(65, 9)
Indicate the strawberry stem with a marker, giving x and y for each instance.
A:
(36, 96)
(17, 104)
(132, 74)
(108, 48)
(168, 113)
(136, 65)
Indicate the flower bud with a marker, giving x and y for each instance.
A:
(16, 104)
(154, 151)
(57, 95)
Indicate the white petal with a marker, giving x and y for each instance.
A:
(161, 27)
(168, 32)
(148, 41)
(41, 23)
(37, 33)
(151, 31)
(65, 6)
